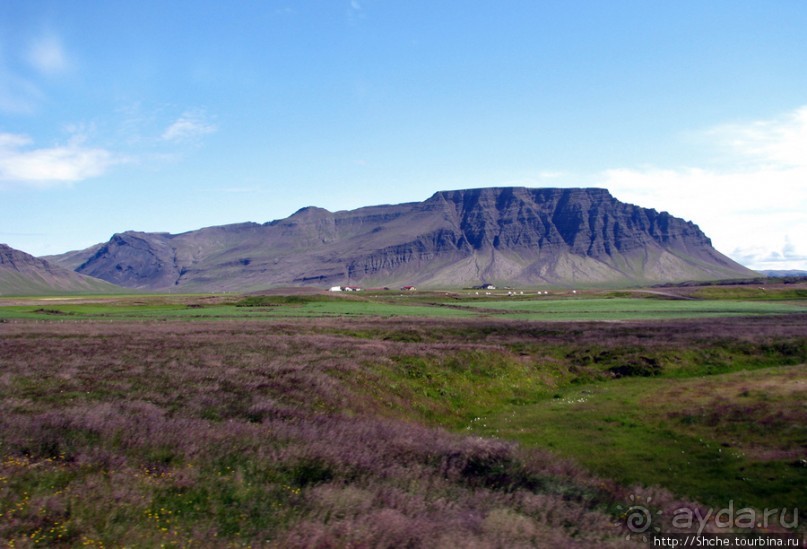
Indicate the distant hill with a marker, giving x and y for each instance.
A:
(24, 274)
(784, 273)
(506, 236)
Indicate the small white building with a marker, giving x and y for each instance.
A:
(335, 289)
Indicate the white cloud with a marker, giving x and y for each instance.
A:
(47, 167)
(785, 257)
(757, 212)
(779, 142)
(190, 126)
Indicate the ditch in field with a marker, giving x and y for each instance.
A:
(738, 436)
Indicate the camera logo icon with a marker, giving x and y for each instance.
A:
(638, 518)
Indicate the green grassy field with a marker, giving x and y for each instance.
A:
(593, 308)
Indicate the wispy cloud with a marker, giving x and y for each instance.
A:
(355, 11)
(21, 90)
(47, 55)
(756, 211)
(22, 164)
(781, 141)
(191, 126)
(18, 95)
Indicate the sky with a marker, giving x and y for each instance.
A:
(171, 116)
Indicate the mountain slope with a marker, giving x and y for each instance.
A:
(24, 274)
(515, 236)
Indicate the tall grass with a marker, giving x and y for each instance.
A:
(226, 434)
(323, 432)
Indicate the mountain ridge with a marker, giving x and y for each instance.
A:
(504, 235)
(24, 274)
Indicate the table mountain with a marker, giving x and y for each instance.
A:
(508, 236)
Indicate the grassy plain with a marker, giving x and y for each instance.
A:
(387, 420)
(595, 306)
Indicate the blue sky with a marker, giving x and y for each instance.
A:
(171, 116)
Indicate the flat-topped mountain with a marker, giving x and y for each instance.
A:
(509, 236)
(24, 274)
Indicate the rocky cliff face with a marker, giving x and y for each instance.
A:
(583, 221)
(514, 236)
